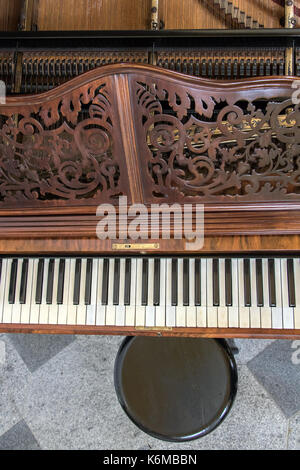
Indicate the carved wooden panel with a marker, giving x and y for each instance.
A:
(154, 136)
(62, 148)
(204, 141)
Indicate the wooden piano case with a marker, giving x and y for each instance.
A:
(155, 136)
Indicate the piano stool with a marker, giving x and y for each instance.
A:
(175, 389)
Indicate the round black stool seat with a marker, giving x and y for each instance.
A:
(175, 389)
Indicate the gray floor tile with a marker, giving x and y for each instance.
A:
(2, 352)
(294, 433)
(70, 403)
(14, 374)
(36, 350)
(276, 370)
(9, 414)
(249, 348)
(19, 437)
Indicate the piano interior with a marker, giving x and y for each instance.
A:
(190, 104)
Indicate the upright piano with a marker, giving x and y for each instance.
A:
(200, 110)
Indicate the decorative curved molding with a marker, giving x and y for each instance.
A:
(270, 85)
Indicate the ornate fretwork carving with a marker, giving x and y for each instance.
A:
(217, 145)
(60, 150)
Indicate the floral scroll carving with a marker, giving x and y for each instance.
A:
(61, 151)
(152, 135)
(217, 146)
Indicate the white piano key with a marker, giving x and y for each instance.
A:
(120, 309)
(35, 308)
(111, 308)
(44, 308)
(201, 311)
(254, 309)
(170, 309)
(150, 309)
(180, 316)
(53, 308)
(130, 309)
(101, 309)
(72, 309)
(222, 309)
(26, 308)
(16, 308)
(191, 320)
(7, 308)
(244, 312)
(180, 309)
(68, 280)
(265, 311)
(212, 311)
(277, 311)
(91, 309)
(81, 308)
(287, 311)
(140, 309)
(3, 281)
(297, 289)
(160, 310)
(233, 311)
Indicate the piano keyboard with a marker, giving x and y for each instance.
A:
(151, 292)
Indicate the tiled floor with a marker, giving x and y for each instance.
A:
(57, 392)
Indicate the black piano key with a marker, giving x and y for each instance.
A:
(197, 281)
(247, 283)
(259, 283)
(76, 292)
(116, 282)
(127, 286)
(216, 289)
(0, 269)
(105, 279)
(186, 286)
(156, 289)
(272, 285)
(24, 278)
(12, 282)
(228, 282)
(145, 283)
(50, 279)
(39, 283)
(291, 282)
(88, 281)
(174, 282)
(61, 282)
